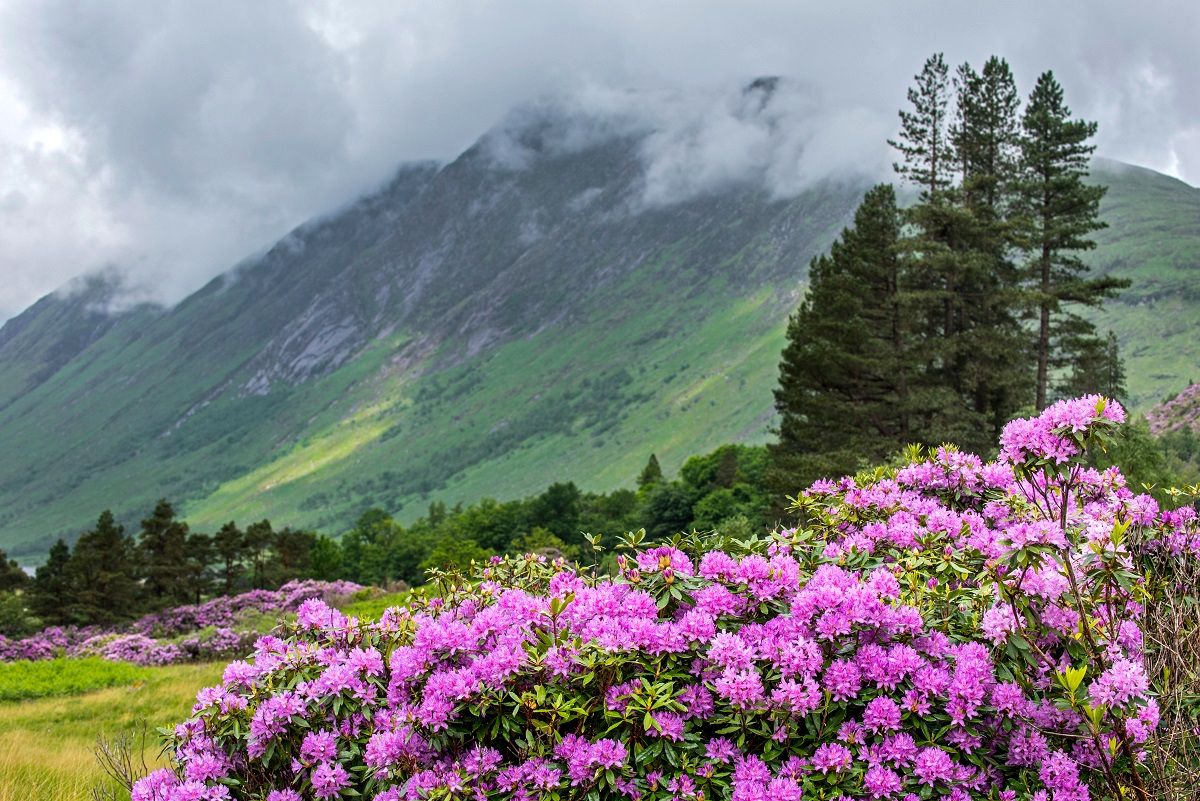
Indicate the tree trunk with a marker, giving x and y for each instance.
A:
(1044, 331)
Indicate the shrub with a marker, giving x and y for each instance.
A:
(217, 629)
(951, 629)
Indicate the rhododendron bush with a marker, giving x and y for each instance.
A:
(220, 628)
(951, 629)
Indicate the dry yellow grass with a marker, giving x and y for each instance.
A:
(46, 745)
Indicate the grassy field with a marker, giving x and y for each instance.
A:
(46, 744)
(21, 681)
(372, 608)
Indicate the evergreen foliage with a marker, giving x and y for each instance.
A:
(12, 577)
(229, 546)
(845, 376)
(923, 144)
(101, 584)
(257, 543)
(651, 474)
(162, 550)
(940, 322)
(1059, 212)
(50, 584)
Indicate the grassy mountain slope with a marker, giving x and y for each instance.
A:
(1153, 239)
(469, 330)
(472, 328)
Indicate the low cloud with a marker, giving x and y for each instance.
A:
(775, 133)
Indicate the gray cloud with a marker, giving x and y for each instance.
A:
(173, 138)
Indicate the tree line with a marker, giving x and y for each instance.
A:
(940, 321)
(722, 489)
(109, 576)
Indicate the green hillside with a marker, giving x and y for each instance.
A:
(473, 330)
(1153, 239)
(470, 329)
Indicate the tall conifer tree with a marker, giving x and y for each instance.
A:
(844, 386)
(229, 546)
(12, 577)
(50, 594)
(258, 540)
(1059, 212)
(100, 574)
(989, 346)
(651, 474)
(986, 135)
(924, 142)
(944, 273)
(162, 553)
(198, 576)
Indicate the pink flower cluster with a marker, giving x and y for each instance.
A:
(1056, 434)
(218, 629)
(873, 653)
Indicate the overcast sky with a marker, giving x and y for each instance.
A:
(172, 138)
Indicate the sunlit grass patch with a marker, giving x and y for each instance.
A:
(372, 608)
(46, 744)
(64, 676)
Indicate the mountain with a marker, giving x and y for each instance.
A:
(521, 315)
(1153, 239)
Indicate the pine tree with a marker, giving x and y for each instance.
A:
(229, 545)
(258, 539)
(100, 575)
(293, 554)
(844, 379)
(198, 576)
(987, 345)
(942, 270)
(50, 595)
(12, 577)
(923, 141)
(162, 553)
(1059, 212)
(651, 474)
(986, 135)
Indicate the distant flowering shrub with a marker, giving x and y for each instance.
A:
(218, 629)
(952, 629)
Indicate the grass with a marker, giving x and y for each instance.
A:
(46, 744)
(372, 608)
(20, 681)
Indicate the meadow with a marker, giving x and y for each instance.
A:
(52, 712)
(47, 742)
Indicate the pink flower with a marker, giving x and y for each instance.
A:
(329, 779)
